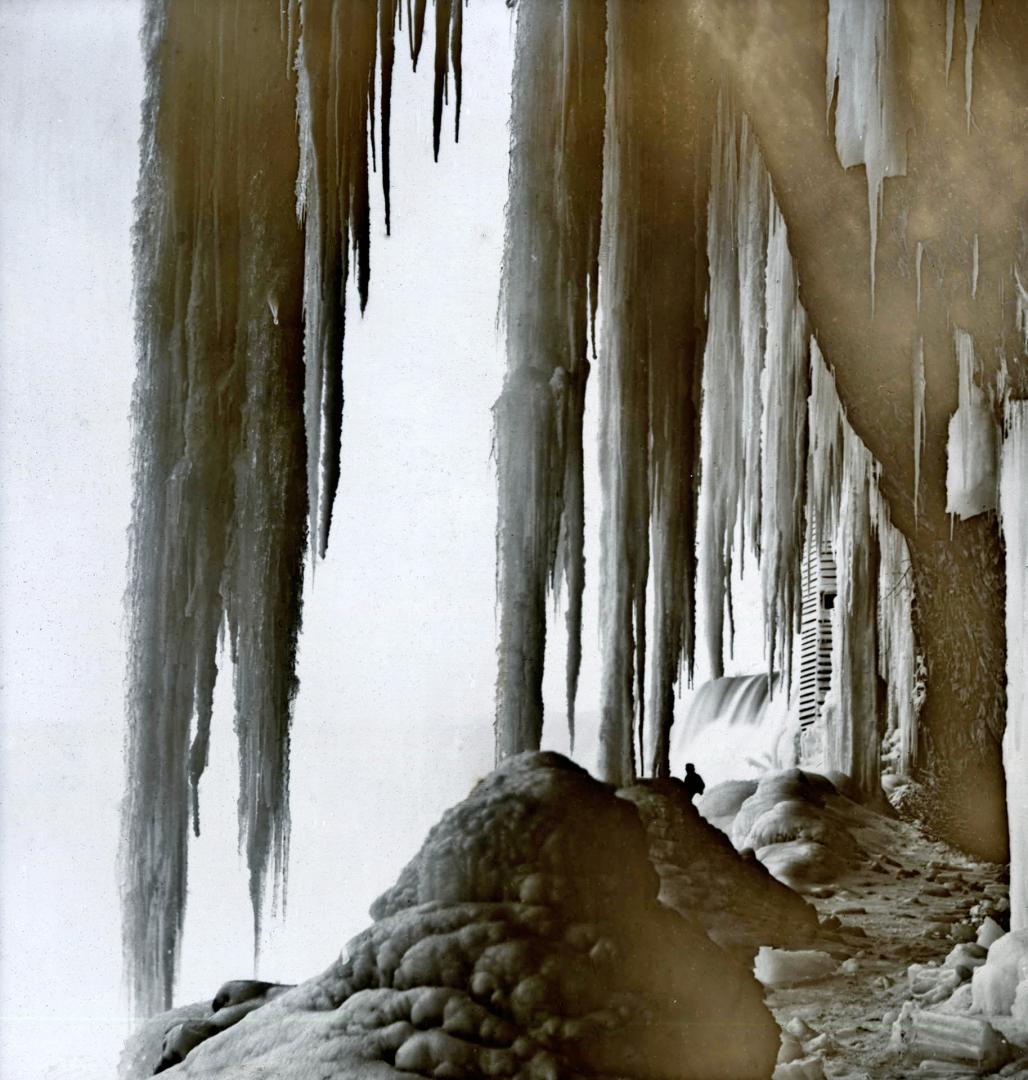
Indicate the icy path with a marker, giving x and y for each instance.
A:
(897, 910)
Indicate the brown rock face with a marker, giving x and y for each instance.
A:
(524, 940)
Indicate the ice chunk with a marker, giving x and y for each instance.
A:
(995, 982)
(919, 1035)
(782, 967)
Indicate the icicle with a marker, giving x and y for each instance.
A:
(917, 272)
(550, 263)
(951, 12)
(918, 384)
(218, 519)
(337, 66)
(846, 506)
(339, 43)
(647, 423)
(972, 13)
(753, 212)
(785, 382)
(971, 446)
(1013, 507)
(449, 16)
(722, 422)
(870, 119)
(224, 280)
(974, 267)
(896, 648)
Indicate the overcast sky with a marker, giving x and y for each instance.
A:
(397, 664)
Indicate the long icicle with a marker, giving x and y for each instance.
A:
(218, 334)
(917, 376)
(224, 278)
(550, 265)
(870, 114)
(648, 383)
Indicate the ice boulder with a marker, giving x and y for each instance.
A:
(525, 939)
(994, 984)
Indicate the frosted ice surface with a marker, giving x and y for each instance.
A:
(1013, 508)
(971, 447)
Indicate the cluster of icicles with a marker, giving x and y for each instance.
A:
(782, 466)
(244, 240)
(862, 81)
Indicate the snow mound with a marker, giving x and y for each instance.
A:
(524, 940)
(702, 876)
(802, 829)
(721, 803)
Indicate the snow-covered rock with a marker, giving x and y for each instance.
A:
(525, 940)
(702, 875)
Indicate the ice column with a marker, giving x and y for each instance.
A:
(549, 294)
(1013, 508)
(649, 289)
(971, 446)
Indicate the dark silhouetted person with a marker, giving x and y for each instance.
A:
(693, 781)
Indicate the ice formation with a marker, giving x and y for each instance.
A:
(917, 377)
(754, 394)
(971, 447)
(232, 295)
(816, 477)
(974, 267)
(872, 621)
(870, 113)
(1013, 507)
(648, 306)
(340, 46)
(549, 295)
(218, 532)
(972, 13)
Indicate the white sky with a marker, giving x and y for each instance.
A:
(393, 720)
